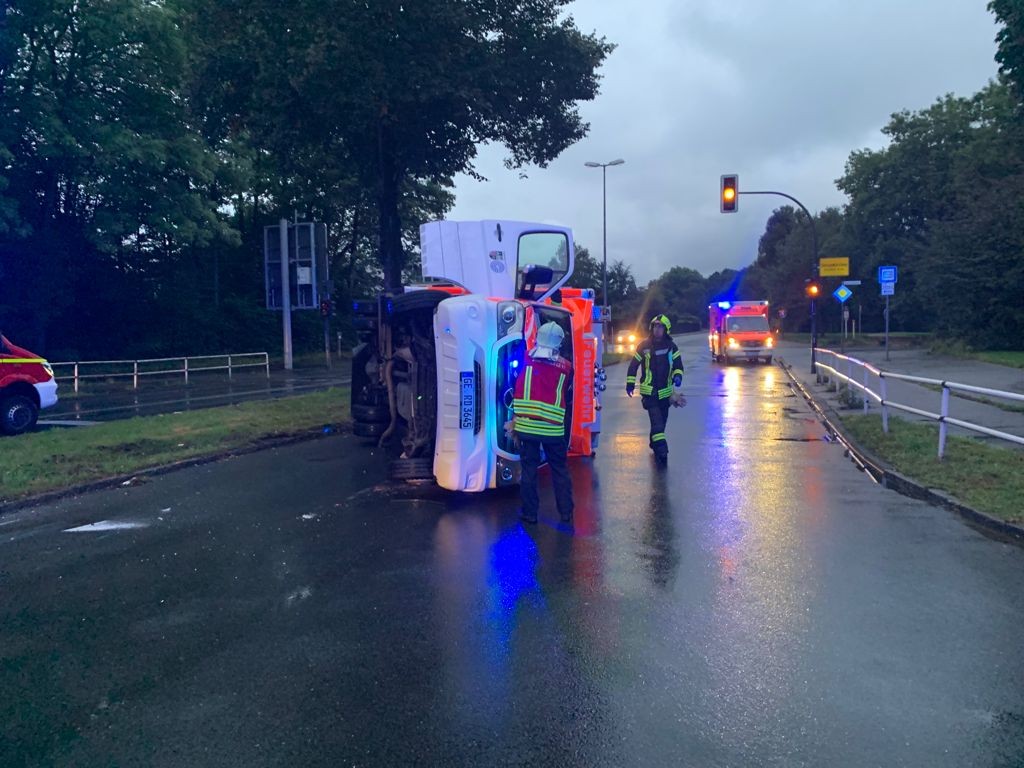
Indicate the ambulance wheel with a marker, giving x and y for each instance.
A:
(17, 414)
(371, 414)
(412, 469)
(768, 360)
(364, 429)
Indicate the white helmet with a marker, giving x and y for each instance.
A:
(549, 339)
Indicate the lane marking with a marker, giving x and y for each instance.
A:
(106, 525)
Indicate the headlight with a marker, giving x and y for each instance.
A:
(620, 338)
(508, 317)
(733, 344)
(632, 338)
(47, 368)
(770, 343)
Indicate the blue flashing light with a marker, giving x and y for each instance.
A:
(448, 331)
(724, 304)
(515, 363)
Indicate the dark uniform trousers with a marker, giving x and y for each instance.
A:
(657, 412)
(529, 460)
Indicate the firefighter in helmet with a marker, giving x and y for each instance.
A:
(540, 400)
(655, 369)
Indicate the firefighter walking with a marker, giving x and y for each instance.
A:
(655, 369)
(540, 401)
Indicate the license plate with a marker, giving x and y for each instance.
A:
(467, 402)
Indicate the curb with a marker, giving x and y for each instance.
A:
(163, 469)
(882, 473)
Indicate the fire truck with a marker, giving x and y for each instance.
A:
(436, 365)
(738, 330)
(26, 386)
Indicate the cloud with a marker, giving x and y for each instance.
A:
(778, 92)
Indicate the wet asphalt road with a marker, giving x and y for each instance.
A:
(761, 602)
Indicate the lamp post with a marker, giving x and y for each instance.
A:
(604, 220)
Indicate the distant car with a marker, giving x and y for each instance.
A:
(626, 341)
(27, 385)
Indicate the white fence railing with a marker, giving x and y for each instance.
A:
(163, 366)
(868, 374)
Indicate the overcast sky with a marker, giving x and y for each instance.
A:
(777, 91)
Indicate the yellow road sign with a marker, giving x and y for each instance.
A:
(837, 267)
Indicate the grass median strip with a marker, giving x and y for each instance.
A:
(985, 477)
(60, 458)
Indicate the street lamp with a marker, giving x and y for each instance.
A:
(604, 219)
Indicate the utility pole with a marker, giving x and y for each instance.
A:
(286, 297)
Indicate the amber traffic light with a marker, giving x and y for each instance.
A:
(813, 290)
(730, 197)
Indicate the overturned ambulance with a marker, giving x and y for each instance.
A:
(437, 364)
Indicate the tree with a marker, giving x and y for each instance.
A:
(621, 283)
(1010, 43)
(406, 91)
(586, 272)
(106, 182)
(680, 293)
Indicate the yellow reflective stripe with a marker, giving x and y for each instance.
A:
(631, 379)
(528, 382)
(663, 393)
(646, 389)
(22, 360)
(532, 427)
(657, 437)
(558, 397)
(637, 357)
(648, 373)
(535, 409)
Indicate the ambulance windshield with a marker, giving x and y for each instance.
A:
(740, 323)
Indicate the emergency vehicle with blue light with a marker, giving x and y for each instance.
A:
(437, 364)
(738, 330)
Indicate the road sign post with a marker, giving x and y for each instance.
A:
(286, 297)
(887, 277)
(842, 293)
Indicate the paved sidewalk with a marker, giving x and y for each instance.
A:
(916, 362)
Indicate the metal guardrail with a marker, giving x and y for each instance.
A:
(869, 372)
(160, 366)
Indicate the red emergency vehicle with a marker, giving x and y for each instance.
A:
(26, 386)
(738, 330)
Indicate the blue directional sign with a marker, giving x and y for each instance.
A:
(887, 274)
(842, 293)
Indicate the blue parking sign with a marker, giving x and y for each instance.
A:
(887, 274)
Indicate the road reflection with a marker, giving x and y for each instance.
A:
(764, 577)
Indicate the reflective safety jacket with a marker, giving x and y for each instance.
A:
(658, 362)
(540, 397)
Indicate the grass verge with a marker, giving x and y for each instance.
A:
(1011, 358)
(984, 477)
(46, 461)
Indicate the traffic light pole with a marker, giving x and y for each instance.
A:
(814, 271)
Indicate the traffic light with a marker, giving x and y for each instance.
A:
(325, 308)
(730, 198)
(812, 289)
